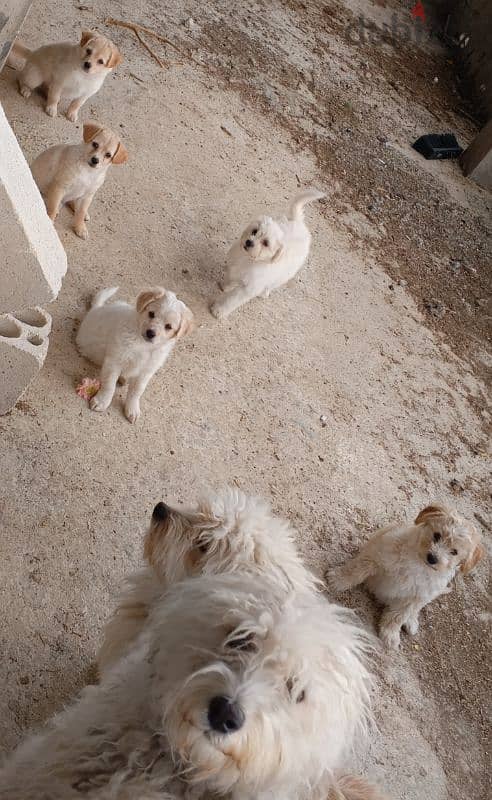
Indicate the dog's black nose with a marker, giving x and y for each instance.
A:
(224, 715)
(249, 243)
(161, 511)
(431, 558)
(150, 334)
(94, 160)
(87, 65)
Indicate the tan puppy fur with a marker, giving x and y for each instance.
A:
(407, 566)
(75, 71)
(73, 173)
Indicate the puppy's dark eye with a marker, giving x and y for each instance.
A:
(88, 52)
(454, 552)
(168, 327)
(265, 243)
(254, 232)
(95, 145)
(290, 687)
(240, 642)
(151, 314)
(100, 61)
(203, 547)
(301, 697)
(108, 155)
(437, 537)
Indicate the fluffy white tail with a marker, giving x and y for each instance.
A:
(103, 296)
(296, 207)
(18, 55)
(354, 787)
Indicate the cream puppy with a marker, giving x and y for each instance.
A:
(268, 254)
(73, 173)
(131, 342)
(75, 71)
(407, 566)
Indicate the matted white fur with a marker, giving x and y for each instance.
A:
(268, 254)
(226, 531)
(407, 566)
(233, 689)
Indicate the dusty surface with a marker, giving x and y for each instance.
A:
(275, 97)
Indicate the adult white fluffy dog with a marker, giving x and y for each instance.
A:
(131, 342)
(233, 689)
(268, 254)
(226, 531)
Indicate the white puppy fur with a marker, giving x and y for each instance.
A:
(226, 531)
(268, 254)
(131, 342)
(233, 689)
(407, 566)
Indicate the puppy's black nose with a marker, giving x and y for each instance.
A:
(161, 511)
(87, 65)
(431, 558)
(94, 160)
(224, 715)
(150, 334)
(249, 243)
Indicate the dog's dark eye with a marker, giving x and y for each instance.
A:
(168, 327)
(301, 697)
(108, 155)
(100, 61)
(203, 547)
(437, 537)
(242, 642)
(254, 232)
(265, 243)
(290, 686)
(454, 552)
(88, 52)
(95, 145)
(151, 314)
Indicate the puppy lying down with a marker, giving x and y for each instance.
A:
(71, 174)
(407, 566)
(131, 342)
(268, 254)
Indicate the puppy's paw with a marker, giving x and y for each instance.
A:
(72, 115)
(51, 111)
(99, 402)
(412, 626)
(132, 411)
(217, 310)
(81, 231)
(390, 635)
(25, 91)
(336, 580)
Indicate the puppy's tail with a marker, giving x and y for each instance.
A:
(18, 55)
(354, 787)
(296, 207)
(103, 296)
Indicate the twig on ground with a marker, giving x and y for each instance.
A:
(138, 29)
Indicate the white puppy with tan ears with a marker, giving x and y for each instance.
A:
(226, 531)
(131, 342)
(268, 254)
(235, 691)
(72, 173)
(75, 71)
(407, 566)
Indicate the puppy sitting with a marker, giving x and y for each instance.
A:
(73, 173)
(226, 531)
(407, 566)
(131, 342)
(76, 71)
(235, 691)
(268, 254)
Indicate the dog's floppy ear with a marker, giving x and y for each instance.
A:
(187, 324)
(86, 37)
(91, 129)
(115, 58)
(475, 555)
(430, 512)
(148, 296)
(121, 155)
(278, 253)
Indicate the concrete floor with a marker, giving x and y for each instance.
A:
(240, 401)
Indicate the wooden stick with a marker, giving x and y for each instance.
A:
(135, 27)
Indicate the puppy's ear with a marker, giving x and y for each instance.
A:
(121, 155)
(431, 512)
(91, 129)
(475, 555)
(115, 58)
(187, 324)
(148, 296)
(86, 37)
(278, 253)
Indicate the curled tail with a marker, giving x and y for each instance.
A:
(354, 787)
(18, 55)
(103, 296)
(296, 207)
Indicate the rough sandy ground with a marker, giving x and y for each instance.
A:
(276, 97)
